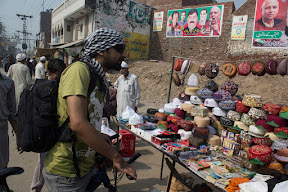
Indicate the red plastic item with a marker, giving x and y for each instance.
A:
(160, 141)
(128, 141)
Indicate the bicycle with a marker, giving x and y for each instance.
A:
(4, 173)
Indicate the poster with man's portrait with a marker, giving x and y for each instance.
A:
(270, 24)
(195, 22)
(139, 12)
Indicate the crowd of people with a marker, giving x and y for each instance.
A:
(190, 25)
(104, 49)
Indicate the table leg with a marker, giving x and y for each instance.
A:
(161, 173)
(115, 169)
(170, 177)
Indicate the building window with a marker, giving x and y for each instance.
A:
(61, 31)
(81, 28)
(68, 28)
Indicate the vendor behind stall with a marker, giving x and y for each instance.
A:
(128, 90)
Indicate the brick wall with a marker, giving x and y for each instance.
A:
(241, 50)
(196, 2)
(210, 48)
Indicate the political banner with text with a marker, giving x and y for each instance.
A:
(195, 22)
(270, 24)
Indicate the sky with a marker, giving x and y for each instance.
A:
(9, 9)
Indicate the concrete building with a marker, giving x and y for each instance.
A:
(45, 29)
(73, 20)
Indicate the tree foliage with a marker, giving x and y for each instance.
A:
(7, 45)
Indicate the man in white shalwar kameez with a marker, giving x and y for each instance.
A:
(20, 74)
(128, 90)
(40, 72)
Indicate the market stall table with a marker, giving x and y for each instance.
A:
(174, 161)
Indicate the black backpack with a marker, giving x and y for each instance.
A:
(38, 129)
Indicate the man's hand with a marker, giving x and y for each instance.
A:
(124, 167)
(208, 31)
(170, 18)
(215, 29)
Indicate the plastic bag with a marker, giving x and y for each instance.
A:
(127, 113)
(136, 119)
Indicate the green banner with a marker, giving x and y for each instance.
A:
(267, 34)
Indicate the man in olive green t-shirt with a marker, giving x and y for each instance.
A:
(103, 50)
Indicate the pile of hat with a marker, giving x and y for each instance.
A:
(271, 67)
(262, 123)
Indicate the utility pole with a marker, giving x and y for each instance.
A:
(43, 5)
(25, 33)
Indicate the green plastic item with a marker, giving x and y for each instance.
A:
(256, 161)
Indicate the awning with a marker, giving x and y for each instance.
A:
(73, 51)
(74, 43)
(55, 44)
(40, 52)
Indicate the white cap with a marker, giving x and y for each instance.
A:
(195, 100)
(210, 103)
(42, 58)
(124, 64)
(20, 56)
(185, 66)
(193, 81)
(219, 112)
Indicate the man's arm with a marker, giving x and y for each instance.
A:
(11, 105)
(9, 73)
(116, 84)
(137, 92)
(28, 77)
(77, 107)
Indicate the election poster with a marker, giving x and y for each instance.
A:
(270, 24)
(139, 12)
(158, 21)
(239, 27)
(195, 22)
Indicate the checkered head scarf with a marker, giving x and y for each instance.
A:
(98, 41)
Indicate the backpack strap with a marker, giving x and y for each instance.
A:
(93, 78)
(75, 162)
